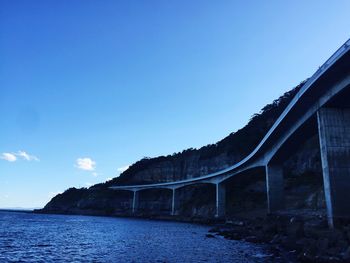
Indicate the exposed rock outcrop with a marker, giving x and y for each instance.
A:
(244, 193)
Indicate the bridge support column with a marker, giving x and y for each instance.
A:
(135, 201)
(174, 204)
(275, 187)
(334, 136)
(220, 200)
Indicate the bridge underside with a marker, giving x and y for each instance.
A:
(323, 111)
(331, 124)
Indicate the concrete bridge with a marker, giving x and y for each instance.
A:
(321, 106)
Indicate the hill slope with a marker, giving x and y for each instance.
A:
(190, 163)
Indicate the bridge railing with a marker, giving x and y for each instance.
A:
(325, 66)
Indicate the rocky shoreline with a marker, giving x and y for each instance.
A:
(306, 238)
(304, 233)
(290, 236)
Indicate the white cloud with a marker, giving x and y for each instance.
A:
(27, 156)
(10, 157)
(109, 178)
(86, 164)
(122, 169)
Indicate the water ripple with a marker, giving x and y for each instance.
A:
(58, 238)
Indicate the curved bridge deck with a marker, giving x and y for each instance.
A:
(311, 103)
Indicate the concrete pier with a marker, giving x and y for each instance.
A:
(334, 136)
(275, 187)
(220, 200)
(173, 203)
(135, 201)
(330, 84)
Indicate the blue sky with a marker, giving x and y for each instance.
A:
(89, 87)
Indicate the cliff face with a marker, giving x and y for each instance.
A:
(188, 165)
(211, 158)
(246, 192)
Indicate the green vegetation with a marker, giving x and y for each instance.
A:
(237, 144)
(101, 200)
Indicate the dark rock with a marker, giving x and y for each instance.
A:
(347, 233)
(209, 236)
(270, 228)
(276, 239)
(214, 230)
(306, 257)
(295, 228)
(235, 223)
(346, 255)
(252, 239)
(334, 236)
(235, 236)
(322, 244)
(334, 251)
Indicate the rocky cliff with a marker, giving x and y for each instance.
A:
(303, 182)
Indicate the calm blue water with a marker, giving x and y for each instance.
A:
(58, 238)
